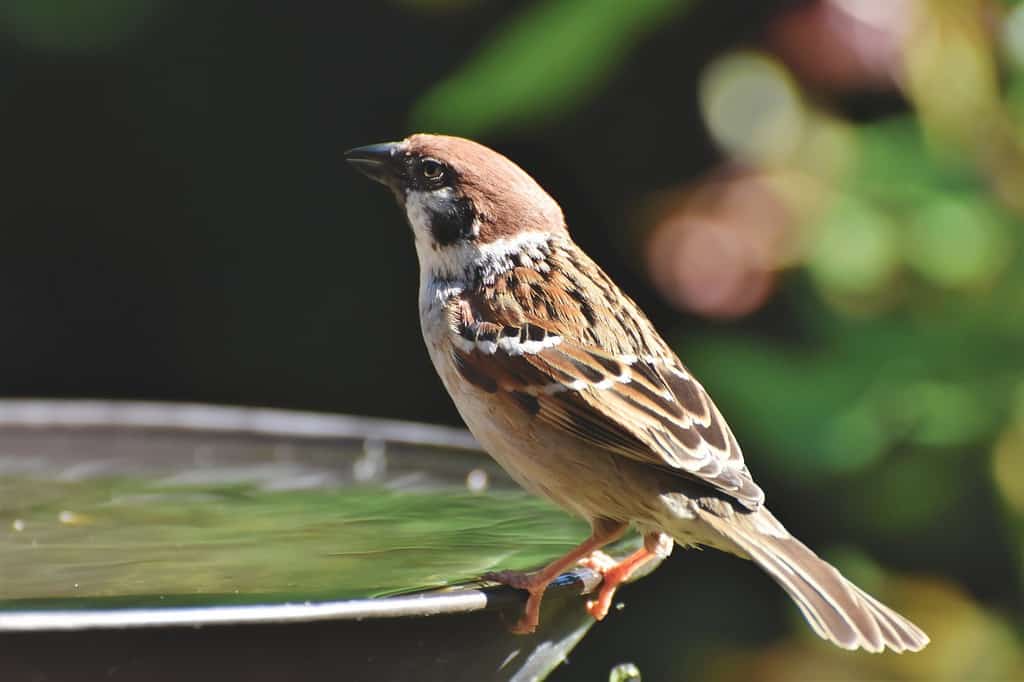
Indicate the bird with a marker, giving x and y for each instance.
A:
(566, 383)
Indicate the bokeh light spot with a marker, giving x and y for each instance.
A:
(957, 242)
(951, 74)
(853, 441)
(855, 251)
(752, 108)
(1013, 36)
(945, 414)
(716, 251)
(1008, 458)
(1008, 467)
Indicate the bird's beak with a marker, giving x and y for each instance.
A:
(380, 162)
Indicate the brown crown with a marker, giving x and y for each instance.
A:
(507, 200)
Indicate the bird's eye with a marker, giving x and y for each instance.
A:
(432, 170)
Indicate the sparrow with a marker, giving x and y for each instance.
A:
(569, 387)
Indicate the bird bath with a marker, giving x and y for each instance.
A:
(154, 541)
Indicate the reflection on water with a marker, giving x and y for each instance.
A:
(238, 523)
(118, 537)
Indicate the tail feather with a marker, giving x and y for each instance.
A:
(835, 608)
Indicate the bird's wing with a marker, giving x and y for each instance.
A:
(642, 404)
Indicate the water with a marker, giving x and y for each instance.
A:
(147, 519)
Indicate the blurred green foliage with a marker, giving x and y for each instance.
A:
(541, 64)
(67, 25)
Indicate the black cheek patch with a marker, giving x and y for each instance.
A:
(453, 222)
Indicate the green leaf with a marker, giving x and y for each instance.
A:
(543, 63)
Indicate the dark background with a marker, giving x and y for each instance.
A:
(182, 226)
(178, 225)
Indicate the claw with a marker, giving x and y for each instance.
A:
(524, 626)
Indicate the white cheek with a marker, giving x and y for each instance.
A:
(446, 261)
(416, 211)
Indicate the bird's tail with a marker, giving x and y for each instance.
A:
(835, 608)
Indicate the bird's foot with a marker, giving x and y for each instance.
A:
(527, 623)
(534, 582)
(613, 573)
(599, 562)
(521, 580)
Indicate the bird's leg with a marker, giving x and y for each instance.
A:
(535, 582)
(614, 574)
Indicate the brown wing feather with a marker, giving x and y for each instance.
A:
(629, 395)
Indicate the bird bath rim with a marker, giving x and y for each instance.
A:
(138, 417)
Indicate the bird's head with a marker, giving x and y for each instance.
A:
(465, 203)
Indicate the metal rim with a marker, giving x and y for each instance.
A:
(454, 601)
(199, 417)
